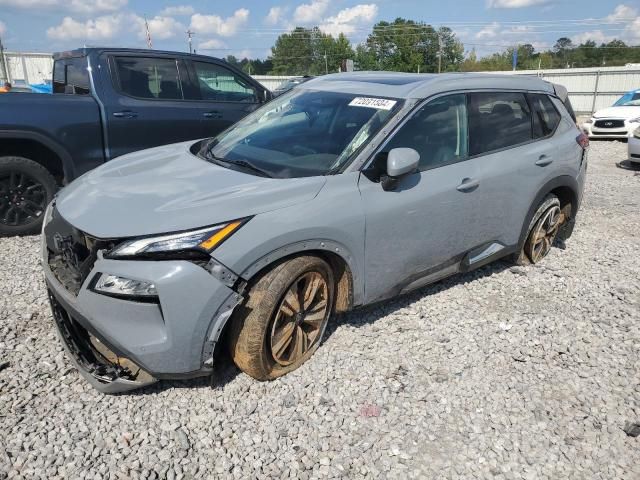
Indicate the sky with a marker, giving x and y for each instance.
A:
(248, 28)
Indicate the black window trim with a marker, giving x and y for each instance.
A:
(115, 76)
(193, 73)
(369, 161)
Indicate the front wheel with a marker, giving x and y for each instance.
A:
(26, 188)
(282, 323)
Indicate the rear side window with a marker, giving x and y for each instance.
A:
(70, 76)
(220, 84)
(152, 78)
(437, 131)
(545, 116)
(498, 120)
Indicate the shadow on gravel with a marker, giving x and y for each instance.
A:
(371, 313)
(629, 165)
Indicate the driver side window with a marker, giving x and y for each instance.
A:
(437, 131)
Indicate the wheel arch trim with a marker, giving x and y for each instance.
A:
(310, 246)
(55, 147)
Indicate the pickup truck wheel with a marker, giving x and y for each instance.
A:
(284, 318)
(26, 188)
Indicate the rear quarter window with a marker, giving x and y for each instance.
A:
(545, 116)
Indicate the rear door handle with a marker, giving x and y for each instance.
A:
(212, 114)
(468, 185)
(544, 160)
(125, 114)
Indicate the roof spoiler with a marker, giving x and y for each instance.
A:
(561, 91)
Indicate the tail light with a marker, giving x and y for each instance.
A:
(583, 141)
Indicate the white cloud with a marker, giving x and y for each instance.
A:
(274, 16)
(310, 12)
(179, 10)
(160, 27)
(81, 7)
(214, 24)
(346, 21)
(626, 17)
(514, 3)
(490, 31)
(101, 28)
(212, 44)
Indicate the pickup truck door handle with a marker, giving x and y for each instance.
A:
(212, 114)
(125, 114)
(543, 161)
(468, 185)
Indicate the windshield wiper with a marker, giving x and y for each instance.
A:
(240, 163)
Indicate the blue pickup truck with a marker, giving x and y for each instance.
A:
(105, 103)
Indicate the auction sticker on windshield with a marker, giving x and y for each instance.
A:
(379, 103)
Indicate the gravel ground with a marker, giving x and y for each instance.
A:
(506, 372)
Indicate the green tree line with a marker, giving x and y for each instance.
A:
(410, 46)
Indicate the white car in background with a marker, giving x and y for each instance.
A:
(634, 146)
(617, 121)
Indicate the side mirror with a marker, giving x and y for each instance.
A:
(400, 162)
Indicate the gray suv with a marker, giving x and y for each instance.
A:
(350, 189)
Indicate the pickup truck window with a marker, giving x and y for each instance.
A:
(220, 84)
(152, 78)
(70, 76)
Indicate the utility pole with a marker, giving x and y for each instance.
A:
(439, 53)
(189, 35)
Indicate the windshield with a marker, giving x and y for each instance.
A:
(628, 99)
(300, 134)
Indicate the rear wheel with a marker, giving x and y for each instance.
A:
(26, 188)
(282, 323)
(543, 231)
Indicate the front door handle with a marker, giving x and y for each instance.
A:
(544, 160)
(468, 185)
(212, 114)
(125, 114)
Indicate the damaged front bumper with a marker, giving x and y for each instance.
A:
(120, 344)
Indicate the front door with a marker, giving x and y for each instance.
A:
(419, 231)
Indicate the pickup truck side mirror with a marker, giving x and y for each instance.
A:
(400, 162)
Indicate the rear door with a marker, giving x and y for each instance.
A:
(146, 105)
(223, 95)
(513, 163)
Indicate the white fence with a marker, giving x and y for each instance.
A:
(589, 89)
(27, 67)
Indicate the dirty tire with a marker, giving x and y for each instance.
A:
(23, 180)
(266, 341)
(531, 252)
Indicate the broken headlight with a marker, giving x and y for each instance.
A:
(203, 240)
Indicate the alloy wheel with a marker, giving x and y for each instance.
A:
(23, 199)
(300, 319)
(545, 233)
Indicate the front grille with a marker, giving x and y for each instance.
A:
(609, 123)
(71, 253)
(622, 134)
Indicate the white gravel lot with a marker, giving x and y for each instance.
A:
(504, 373)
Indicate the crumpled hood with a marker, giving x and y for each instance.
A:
(618, 112)
(167, 189)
